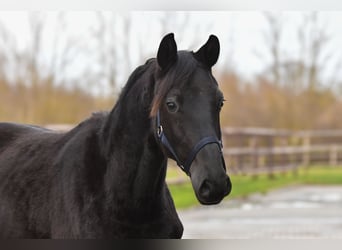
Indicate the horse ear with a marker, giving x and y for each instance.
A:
(209, 52)
(167, 52)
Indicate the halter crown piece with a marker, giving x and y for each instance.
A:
(185, 166)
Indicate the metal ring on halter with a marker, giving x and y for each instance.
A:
(159, 130)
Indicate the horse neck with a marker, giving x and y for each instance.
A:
(136, 166)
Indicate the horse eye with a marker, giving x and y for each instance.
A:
(172, 107)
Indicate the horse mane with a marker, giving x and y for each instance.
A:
(179, 73)
(112, 119)
(136, 74)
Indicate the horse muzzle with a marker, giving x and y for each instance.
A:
(212, 192)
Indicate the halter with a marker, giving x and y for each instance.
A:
(185, 166)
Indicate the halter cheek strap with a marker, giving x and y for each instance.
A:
(202, 143)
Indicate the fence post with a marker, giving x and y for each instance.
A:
(306, 153)
(239, 157)
(333, 155)
(271, 157)
(254, 156)
(294, 161)
(285, 158)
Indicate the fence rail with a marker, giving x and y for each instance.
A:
(253, 151)
(263, 150)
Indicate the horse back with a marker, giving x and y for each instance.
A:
(35, 167)
(10, 132)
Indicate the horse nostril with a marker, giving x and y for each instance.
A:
(204, 190)
(213, 192)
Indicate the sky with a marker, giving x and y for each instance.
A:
(243, 46)
(187, 5)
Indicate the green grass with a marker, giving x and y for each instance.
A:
(243, 186)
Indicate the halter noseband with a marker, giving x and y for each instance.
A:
(185, 166)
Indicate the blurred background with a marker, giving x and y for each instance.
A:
(277, 69)
(280, 73)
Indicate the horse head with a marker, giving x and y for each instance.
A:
(186, 107)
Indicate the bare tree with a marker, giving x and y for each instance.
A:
(181, 24)
(272, 40)
(65, 51)
(108, 49)
(36, 22)
(316, 41)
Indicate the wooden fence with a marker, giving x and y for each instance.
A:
(252, 151)
(264, 150)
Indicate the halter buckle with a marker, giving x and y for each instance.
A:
(159, 130)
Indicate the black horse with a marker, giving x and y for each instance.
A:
(106, 177)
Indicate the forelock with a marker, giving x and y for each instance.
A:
(178, 75)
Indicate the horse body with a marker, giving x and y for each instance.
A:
(69, 189)
(25, 178)
(105, 178)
